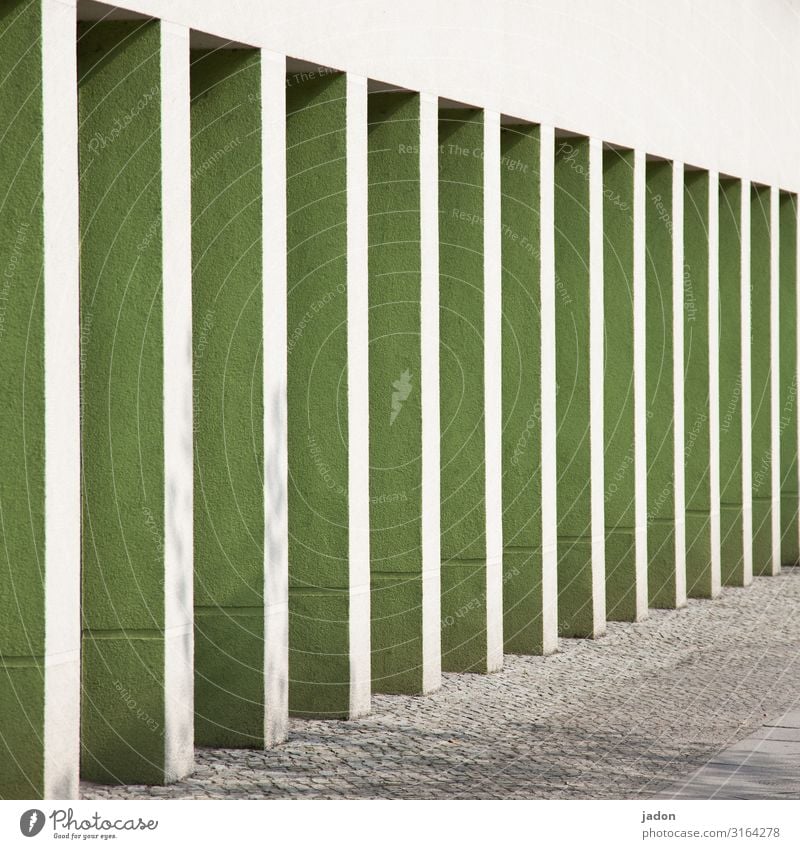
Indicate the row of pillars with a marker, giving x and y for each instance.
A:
(313, 388)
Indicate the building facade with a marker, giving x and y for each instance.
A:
(344, 345)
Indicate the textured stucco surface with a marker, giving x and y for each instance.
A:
(461, 400)
(575, 612)
(522, 444)
(761, 376)
(730, 382)
(790, 533)
(697, 410)
(228, 398)
(22, 413)
(122, 412)
(395, 408)
(619, 489)
(659, 387)
(319, 601)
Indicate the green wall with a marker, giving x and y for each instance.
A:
(575, 610)
(618, 392)
(122, 402)
(788, 379)
(659, 387)
(395, 408)
(461, 404)
(319, 595)
(730, 382)
(22, 413)
(228, 398)
(761, 376)
(697, 410)
(522, 443)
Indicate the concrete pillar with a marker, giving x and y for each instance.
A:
(775, 386)
(731, 398)
(329, 625)
(39, 420)
(579, 364)
(761, 377)
(137, 715)
(229, 289)
(640, 405)
(275, 422)
(470, 381)
(429, 363)
(547, 300)
(406, 656)
(747, 384)
(713, 388)
(699, 323)
(664, 238)
(525, 620)
(626, 581)
(790, 527)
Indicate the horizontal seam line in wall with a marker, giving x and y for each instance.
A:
(123, 633)
(763, 499)
(319, 590)
(703, 511)
(628, 530)
(786, 492)
(22, 661)
(584, 538)
(731, 505)
(417, 573)
(525, 549)
(658, 521)
(228, 609)
(447, 560)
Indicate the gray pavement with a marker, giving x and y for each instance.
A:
(764, 765)
(634, 714)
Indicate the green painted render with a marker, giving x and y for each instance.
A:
(395, 409)
(659, 382)
(22, 601)
(461, 405)
(697, 406)
(575, 610)
(521, 344)
(790, 532)
(319, 595)
(618, 392)
(228, 398)
(761, 373)
(122, 402)
(730, 382)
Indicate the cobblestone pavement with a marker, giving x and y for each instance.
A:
(620, 717)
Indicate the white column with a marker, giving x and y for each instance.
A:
(276, 485)
(677, 365)
(775, 360)
(358, 396)
(639, 377)
(62, 554)
(548, 388)
(429, 354)
(747, 424)
(177, 352)
(493, 399)
(797, 315)
(596, 363)
(713, 380)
